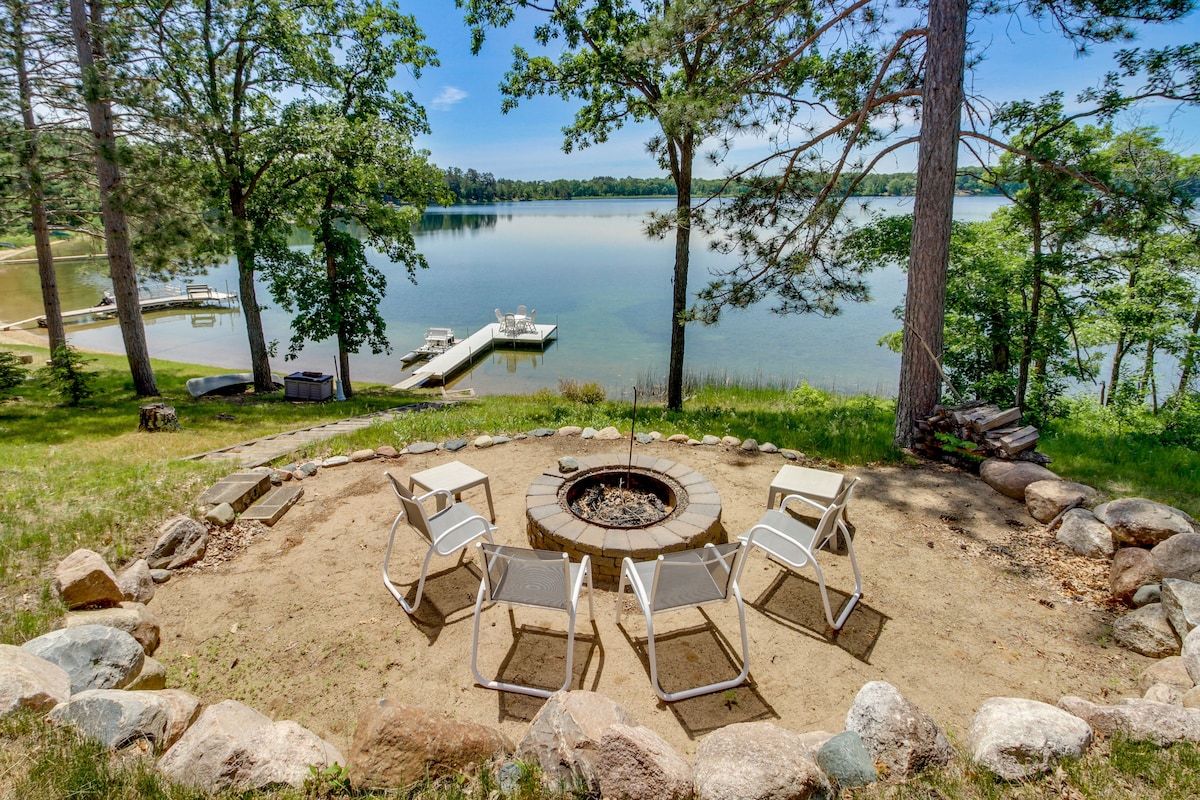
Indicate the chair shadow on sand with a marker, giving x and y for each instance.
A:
(537, 657)
(447, 593)
(694, 656)
(794, 600)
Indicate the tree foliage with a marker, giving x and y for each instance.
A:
(364, 183)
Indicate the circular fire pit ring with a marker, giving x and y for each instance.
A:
(690, 502)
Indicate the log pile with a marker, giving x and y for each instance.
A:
(981, 429)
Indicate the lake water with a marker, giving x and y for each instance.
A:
(584, 265)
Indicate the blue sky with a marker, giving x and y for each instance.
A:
(1022, 61)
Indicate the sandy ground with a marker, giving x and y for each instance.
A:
(964, 600)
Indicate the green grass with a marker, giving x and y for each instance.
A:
(1115, 769)
(1123, 460)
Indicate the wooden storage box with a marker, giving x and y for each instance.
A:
(307, 386)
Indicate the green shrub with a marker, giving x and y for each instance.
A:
(589, 393)
(12, 371)
(65, 375)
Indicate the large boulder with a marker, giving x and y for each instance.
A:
(564, 736)
(1132, 568)
(153, 676)
(637, 764)
(1181, 601)
(1171, 671)
(136, 583)
(846, 762)
(95, 656)
(1019, 739)
(1190, 652)
(1045, 500)
(755, 761)
(1147, 631)
(1178, 557)
(396, 746)
(180, 541)
(1010, 478)
(1141, 522)
(116, 718)
(84, 579)
(28, 682)
(133, 618)
(895, 731)
(1144, 720)
(1082, 533)
(233, 747)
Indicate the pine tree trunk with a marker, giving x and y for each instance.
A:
(682, 158)
(933, 213)
(108, 174)
(31, 158)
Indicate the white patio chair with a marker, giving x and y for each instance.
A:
(509, 326)
(520, 311)
(795, 542)
(452, 529)
(543, 579)
(530, 326)
(499, 316)
(687, 579)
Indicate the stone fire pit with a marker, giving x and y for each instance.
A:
(692, 506)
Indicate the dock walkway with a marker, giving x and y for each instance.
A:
(192, 296)
(462, 354)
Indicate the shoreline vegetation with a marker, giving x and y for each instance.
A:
(83, 477)
(471, 186)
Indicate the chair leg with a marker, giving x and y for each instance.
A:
(387, 558)
(836, 625)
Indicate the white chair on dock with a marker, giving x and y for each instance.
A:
(509, 326)
(499, 316)
(520, 311)
(530, 327)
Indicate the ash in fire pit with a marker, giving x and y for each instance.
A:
(617, 506)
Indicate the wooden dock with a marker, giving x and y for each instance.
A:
(193, 295)
(464, 353)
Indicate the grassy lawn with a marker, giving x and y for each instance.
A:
(85, 477)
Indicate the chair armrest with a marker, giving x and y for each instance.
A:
(803, 499)
(487, 528)
(434, 493)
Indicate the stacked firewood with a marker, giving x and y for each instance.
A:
(980, 429)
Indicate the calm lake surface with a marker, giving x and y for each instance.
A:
(584, 265)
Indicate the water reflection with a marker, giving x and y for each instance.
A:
(438, 222)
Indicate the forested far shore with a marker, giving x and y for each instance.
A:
(472, 186)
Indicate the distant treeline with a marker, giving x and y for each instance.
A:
(471, 186)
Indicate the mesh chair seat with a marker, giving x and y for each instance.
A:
(461, 535)
(532, 581)
(679, 588)
(785, 537)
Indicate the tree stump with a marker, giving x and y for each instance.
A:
(157, 417)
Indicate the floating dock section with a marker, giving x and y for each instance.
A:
(464, 353)
(193, 295)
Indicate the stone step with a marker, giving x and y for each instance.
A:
(274, 505)
(239, 490)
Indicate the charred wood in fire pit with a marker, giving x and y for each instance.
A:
(614, 505)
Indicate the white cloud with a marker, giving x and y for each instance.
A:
(449, 96)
